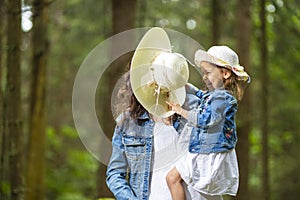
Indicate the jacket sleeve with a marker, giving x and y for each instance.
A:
(191, 89)
(117, 170)
(192, 98)
(211, 115)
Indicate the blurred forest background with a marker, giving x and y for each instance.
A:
(43, 43)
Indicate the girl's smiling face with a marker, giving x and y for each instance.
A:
(213, 76)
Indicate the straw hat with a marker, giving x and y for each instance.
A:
(157, 75)
(225, 57)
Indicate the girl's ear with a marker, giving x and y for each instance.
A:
(226, 73)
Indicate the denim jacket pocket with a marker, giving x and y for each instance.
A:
(135, 148)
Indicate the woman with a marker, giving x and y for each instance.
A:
(144, 150)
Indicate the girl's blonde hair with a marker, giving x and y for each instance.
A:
(234, 85)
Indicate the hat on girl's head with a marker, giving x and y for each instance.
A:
(157, 75)
(225, 57)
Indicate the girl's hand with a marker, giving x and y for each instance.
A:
(175, 107)
(178, 109)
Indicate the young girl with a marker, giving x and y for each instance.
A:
(210, 166)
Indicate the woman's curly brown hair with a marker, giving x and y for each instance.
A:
(128, 101)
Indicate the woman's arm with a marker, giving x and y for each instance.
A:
(117, 170)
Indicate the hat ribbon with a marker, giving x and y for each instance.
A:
(240, 72)
(238, 69)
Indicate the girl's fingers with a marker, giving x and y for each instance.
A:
(170, 104)
(174, 107)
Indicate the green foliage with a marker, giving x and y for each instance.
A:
(184, 16)
(284, 50)
(255, 163)
(105, 199)
(71, 170)
(72, 196)
(5, 188)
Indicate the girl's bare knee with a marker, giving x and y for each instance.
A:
(173, 177)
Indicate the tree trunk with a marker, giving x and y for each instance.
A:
(3, 140)
(265, 94)
(1, 78)
(216, 14)
(13, 112)
(142, 13)
(123, 15)
(123, 19)
(244, 113)
(36, 155)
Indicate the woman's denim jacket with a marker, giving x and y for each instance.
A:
(214, 122)
(129, 170)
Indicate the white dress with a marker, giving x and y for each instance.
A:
(211, 174)
(164, 155)
(168, 149)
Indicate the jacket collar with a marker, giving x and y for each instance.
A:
(144, 116)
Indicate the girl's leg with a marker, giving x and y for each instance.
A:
(174, 183)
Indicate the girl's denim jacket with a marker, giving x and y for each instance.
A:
(129, 170)
(214, 122)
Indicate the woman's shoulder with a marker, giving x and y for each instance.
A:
(126, 117)
(122, 118)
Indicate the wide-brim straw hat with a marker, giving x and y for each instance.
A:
(225, 57)
(157, 75)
